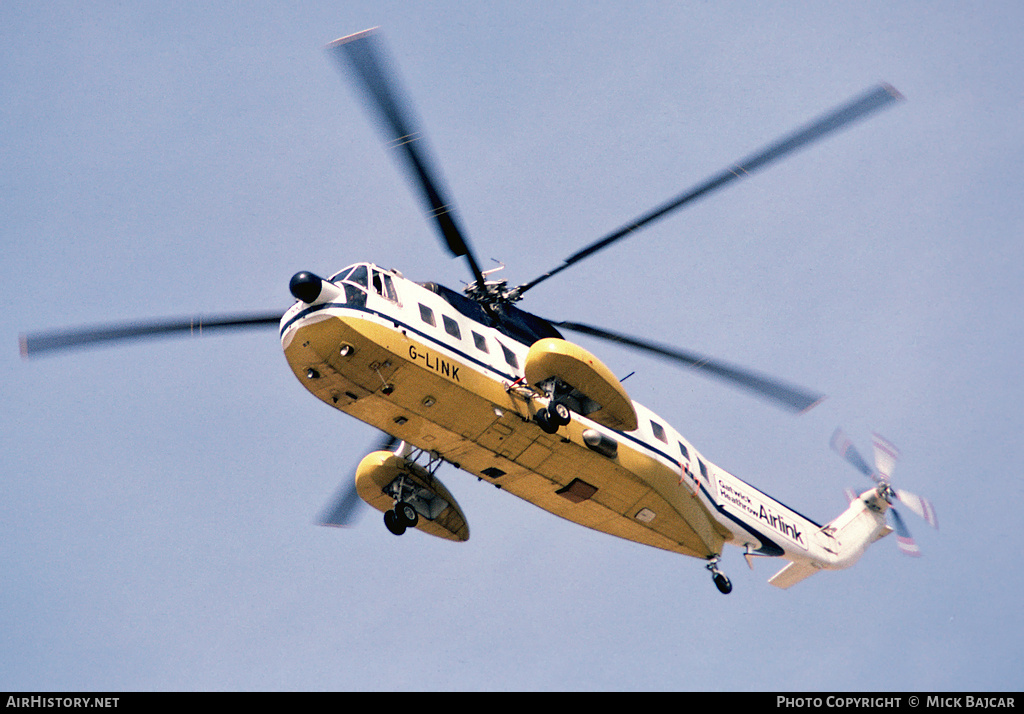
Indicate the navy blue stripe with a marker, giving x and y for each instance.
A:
(389, 318)
(768, 546)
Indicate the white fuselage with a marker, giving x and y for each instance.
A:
(398, 356)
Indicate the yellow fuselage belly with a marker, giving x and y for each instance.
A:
(411, 390)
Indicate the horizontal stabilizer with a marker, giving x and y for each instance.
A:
(792, 574)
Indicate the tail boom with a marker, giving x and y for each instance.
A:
(840, 543)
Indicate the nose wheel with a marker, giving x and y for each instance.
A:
(401, 517)
(721, 581)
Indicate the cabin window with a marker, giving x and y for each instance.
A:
(427, 315)
(703, 469)
(480, 342)
(659, 431)
(451, 327)
(510, 357)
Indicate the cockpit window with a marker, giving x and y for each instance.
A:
(348, 279)
(384, 286)
(359, 276)
(338, 277)
(354, 297)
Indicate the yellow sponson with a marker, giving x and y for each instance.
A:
(380, 475)
(584, 372)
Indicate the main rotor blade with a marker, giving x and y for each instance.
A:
(842, 445)
(365, 55)
(33, 345)
(341, 510)
(792, 398)
(833, 121)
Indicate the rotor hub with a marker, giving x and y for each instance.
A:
(493, 291)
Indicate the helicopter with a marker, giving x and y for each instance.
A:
(472, 380)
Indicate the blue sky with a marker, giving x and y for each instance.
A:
(157, 499)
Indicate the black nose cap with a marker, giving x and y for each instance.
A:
(305, 286)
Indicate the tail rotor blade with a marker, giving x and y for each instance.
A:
(919, 505)
(906, 542)
(842, 445)
(886, 455)
(342, 510)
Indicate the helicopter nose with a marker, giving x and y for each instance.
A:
(306, 286)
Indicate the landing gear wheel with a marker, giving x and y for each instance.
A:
(391, 520)
(407, 515)
(559, 413)
(722, 583)
(545, 421)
